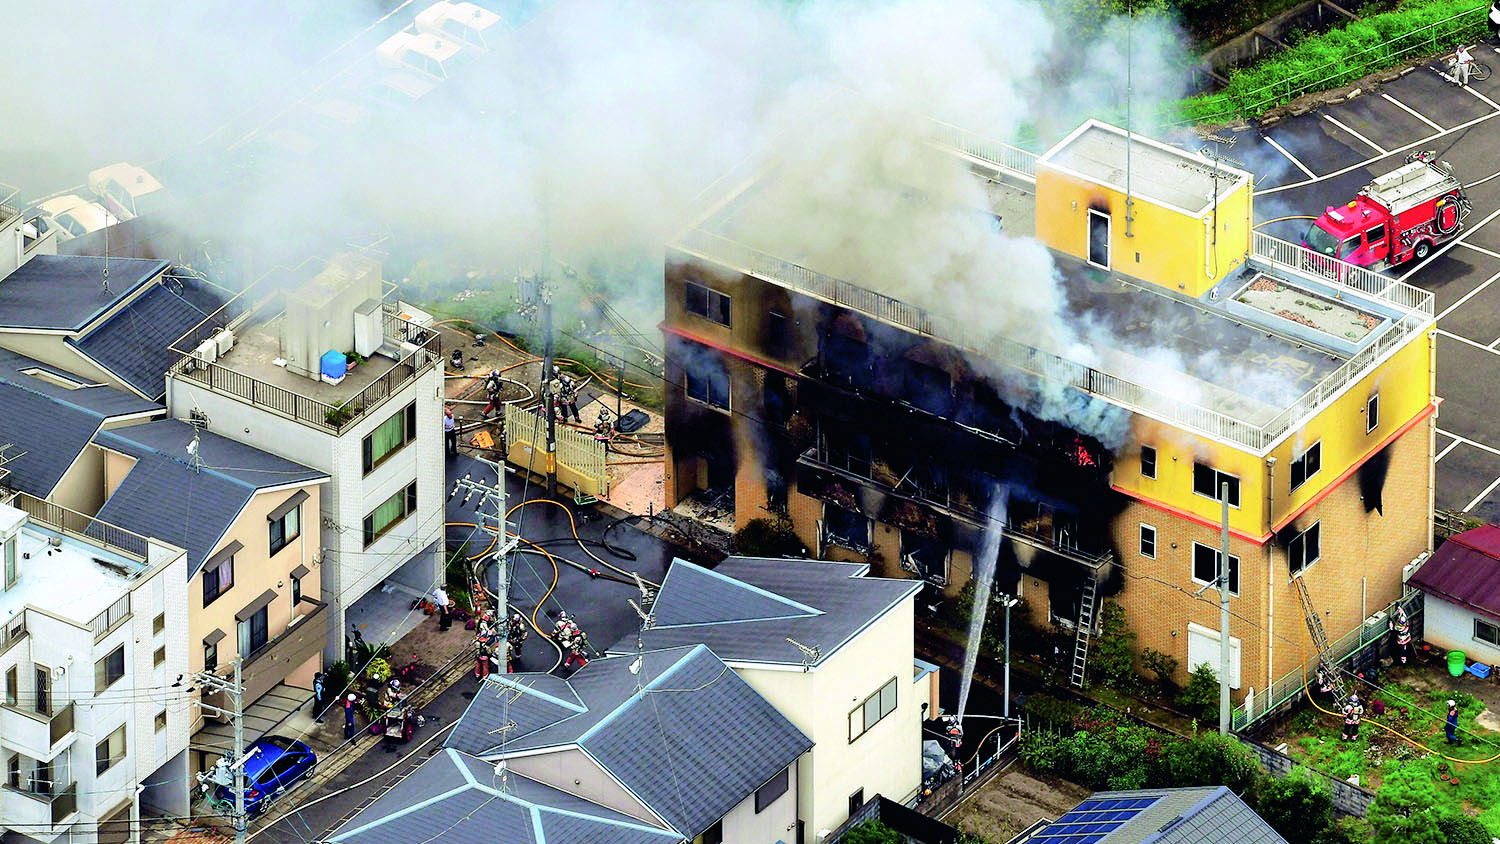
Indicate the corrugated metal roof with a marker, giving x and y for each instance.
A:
(1465, 570)
(67, 292)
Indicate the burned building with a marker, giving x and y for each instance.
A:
(884, 418)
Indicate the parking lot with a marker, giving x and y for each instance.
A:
(1324, 157)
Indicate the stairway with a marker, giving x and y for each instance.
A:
(1320, 641)
(1085, 628)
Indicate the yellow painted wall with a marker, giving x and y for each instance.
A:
(1168, 248)
(1176, 452)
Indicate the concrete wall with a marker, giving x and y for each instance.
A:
(886, 759)
(1451, 627)
(81, 487)
(777, 822)
(575, 772)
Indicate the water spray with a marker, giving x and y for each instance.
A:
(984, 579)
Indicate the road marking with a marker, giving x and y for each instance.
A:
(1369, 143)
(1444, 452)
(1450, 244)
(1490, 252)
(1368, 161)
(1467, 441)
(1289, 157)
(1486, 283)
(1492, 103)
(1481, 496)
(1466, 341)
(1409, 110)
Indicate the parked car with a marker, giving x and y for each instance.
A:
(422, 53)
(273, 764)
(478, 28)
(126, 190)
(73, 216)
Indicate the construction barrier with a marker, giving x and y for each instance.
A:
(582, 461)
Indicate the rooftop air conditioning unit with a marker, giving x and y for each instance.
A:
(207, 351)
(224, 340)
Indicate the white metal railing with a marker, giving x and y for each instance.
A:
(1056, 369)
(1013, 160)
(1300, 260)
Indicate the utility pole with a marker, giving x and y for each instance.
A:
(1223, 579)
(236, 692)
(547, 398)
(504, 543)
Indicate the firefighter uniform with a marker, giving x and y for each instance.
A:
(515, 636)
(1353, 712)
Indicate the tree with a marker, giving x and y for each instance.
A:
(1345, 831)
(1403, 810)
(1160, 664)
(1211, 759)
(1295, 807)
(1114, 652)
(1201, 696)
(1458, 828)
(873, 832)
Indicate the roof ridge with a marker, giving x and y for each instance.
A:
(749, 587)
(237, 481)
(640, 693)
(27, 388)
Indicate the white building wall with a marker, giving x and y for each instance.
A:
(777, 822)
(1451, 627)
(885, 760)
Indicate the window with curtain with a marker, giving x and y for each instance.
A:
(390, 511)
(217, 580)
(110, 669)
(389, 437)
(253, 633)
(286, 528)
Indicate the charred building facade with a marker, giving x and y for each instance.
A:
(1203, 354)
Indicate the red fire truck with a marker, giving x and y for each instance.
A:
(1402, 215)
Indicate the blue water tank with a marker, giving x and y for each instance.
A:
(334, 365)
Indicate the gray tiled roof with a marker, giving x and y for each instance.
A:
(747, 607)
(49, 425)
(1209, 815)
(67, 292)
(133, 343)
(164, 496)
(453, 798)
(685, 733)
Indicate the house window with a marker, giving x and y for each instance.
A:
(856, 801)
(767, 794)
(1206, 567)
(1148, 461)
(13, 772)
(1307, 464)
(159, 658)
(109, 669)
(390, 437)
(12, 688)
(253, 633)
(1372, 413)
(161, 720)
(1099, 238)
(847, 450)
(109, 751)
(210, 656)
(1486, 632)
(926, 558)
(286, 528)
(709, 304)
(869, 713)
(1148, 542)
(848, 528)
(217, 579)
(706, 377)
(714, 834)
(390, 512)
(10, 562)
(296, 591)
(776, 335)
(159, 623)
(1207, 480)
(1305, 548)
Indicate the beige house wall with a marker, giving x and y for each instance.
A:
(575, 772)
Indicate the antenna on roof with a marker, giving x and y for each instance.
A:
(1214, 152)
(810, 655)
(192, 450)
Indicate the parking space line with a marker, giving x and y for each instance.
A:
(1289, 157)
(1448, 448)
(1452, 243)
(1490, 252)
(1492, 345)
(1467, 342)
(1369, 143)
(1409, 110)
(1481, 496)
(1486, 283)
(1467, 441)
(1494, 105)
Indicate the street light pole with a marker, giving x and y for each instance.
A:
(1009, 601)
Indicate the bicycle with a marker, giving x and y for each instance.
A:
(1478, 71)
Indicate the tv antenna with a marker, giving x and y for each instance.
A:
(810, 654)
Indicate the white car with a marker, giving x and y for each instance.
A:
(126, 190)
(73, 216)
(479, 29)
(422, 53)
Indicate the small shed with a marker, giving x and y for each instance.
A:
(1462, 586)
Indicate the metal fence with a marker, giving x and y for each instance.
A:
(124, 542)
(1013, 160)
(1300, 260)
(582, 461)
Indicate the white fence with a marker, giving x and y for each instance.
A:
(582, 462)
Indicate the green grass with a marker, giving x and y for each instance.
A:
(1340, 56)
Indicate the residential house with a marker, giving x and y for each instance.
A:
(268, 370)
(247, 520)
(831, 649)
(1461, 584)
(93, 659)
(673, 738)
(1188, 359)
(23, 239)
(1211, 815)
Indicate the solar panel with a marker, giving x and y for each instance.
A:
(1093, 820)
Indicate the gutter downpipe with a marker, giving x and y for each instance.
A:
(1431, 436)
(1271, 579)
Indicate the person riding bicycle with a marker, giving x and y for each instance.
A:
(1463, 63)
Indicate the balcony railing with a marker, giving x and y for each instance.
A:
(83, 527)
(65, 804)
(35, 733)
(12, 632)
(1059, 370)
(36, 809)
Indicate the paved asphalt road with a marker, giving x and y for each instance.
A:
(1324, 157)
(599, 605)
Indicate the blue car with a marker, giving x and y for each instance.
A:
(274, 765)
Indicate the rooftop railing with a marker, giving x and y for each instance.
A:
(83, 527)
(1013, 160)
(1056, 369)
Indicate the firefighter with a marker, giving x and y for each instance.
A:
(955, 731)
(1353, 711)
(563, 627)
(1402, 625)
(493, 385)
(577, 645)
(565, 395)
(515, 636)
(484, 636)
(1450, 728)
(1325, 683)
(604, 429)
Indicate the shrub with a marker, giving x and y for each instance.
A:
(1039, 751)
(378, 670)
(1159, 664)
(872, 832)
(1050, 710)
(1113, 658)
(1201, 696)
(1458, 828)
(1211, 759)
(1295, 807)
(768, 538)
(336, 679)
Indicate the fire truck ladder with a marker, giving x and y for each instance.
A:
(1085, 626)
(1326, 662)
